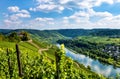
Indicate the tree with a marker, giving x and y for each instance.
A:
(88, 67)
(117, 76)
(60, 59)
(2, 37)
(13, 37)
(24, 36)
(62, 48)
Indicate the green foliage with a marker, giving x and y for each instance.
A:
(41, 44)
(89, 67)
(2, 37)
(46, 35)
(63, 33)
(36, 66)
(117, 76)
(13, 37)
(95, 47)
(27, 45)
(62, 48)
(24, 36)
(39, 66)
(7, 44)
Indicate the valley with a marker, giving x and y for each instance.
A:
(60, 39)
(38, 45)
(104, 49)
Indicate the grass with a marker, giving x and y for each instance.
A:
(96, 39)
(41, 44)
(50, 54)
(7, 44)
(22, 45)
(26, 45)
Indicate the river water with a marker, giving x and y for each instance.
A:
(96, 66)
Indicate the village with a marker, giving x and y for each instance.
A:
(112, 50)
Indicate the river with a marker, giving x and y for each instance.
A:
(96, 66)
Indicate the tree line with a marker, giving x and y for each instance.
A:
(15, 36)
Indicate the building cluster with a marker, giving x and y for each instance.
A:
(112, 50)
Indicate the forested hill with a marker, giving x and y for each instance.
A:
(46, 35)
(92, 32)
(68, 32)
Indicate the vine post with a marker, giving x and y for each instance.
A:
(9, 64)
(57, 66)
(19, 61)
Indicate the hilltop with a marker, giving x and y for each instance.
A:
(65, 33)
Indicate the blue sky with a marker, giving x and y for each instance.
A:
(59, 14)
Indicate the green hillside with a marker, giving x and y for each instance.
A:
(54, 35)
(38, 53)
(38, 64)
(46, 35)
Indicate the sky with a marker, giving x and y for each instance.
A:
(59, 14)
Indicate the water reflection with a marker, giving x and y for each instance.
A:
(106, 70)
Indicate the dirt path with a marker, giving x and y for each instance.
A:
(39, 49)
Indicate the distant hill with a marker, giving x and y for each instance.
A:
(5, 31)
(74, 32)
(64, 33)
(46, 35)
(87, 32)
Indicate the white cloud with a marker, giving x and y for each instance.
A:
(81, 18)
(60, 5)
(32, 9)
(39, 19)
(64, 1)
(117, 0)
(17, 13)
(65, 21)
(15, 18)
(99, 2)
(91, 12)
(12, 24)
(61, 8)
(84, 16)
(41, 23)
(46, 7)
(44, 19)
(7, 21)
(51, 23)
(13, 9)
(43, 1)
(93, 3)
(24, 11)
(22, 15)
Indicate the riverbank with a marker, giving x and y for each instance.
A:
(96, 66)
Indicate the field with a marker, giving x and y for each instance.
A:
(97, 39)
(39, 65)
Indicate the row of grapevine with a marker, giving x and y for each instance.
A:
(38, 66)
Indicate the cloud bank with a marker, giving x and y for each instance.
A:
(67, 14)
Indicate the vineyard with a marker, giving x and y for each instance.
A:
(34, 65)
